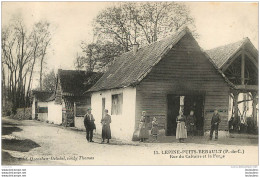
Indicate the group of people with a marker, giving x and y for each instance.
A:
(186, 126)
(89, 123)
(143, 131)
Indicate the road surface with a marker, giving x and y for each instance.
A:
(30, 142)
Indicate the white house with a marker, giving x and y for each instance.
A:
(121, 104)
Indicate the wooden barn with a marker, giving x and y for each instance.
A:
(40, 104)
(158, 79)
(68, 100)
(239, 62)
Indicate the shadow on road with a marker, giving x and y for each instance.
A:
(13, 144)
(19, 145)
(7, 159)
(7, 130)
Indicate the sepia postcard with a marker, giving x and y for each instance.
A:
(129, 83)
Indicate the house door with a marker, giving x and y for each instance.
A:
(196, 103)
(103, 105)
(173, 102)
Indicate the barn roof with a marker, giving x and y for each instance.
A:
(129, 69)
(76, 82)
(221, 55)
(42, 96)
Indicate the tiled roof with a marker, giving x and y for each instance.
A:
(74, 82)
(42, 96)
(220, 55)
(129, 69)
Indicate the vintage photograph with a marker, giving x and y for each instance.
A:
(129, 83)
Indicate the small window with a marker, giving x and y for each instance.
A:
(42, 109)
(117, 104)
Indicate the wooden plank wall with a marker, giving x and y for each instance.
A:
(184, 70)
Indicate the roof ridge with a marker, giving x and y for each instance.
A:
(229, 44)
(184, 31)
(127, 57)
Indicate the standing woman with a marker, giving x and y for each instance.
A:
(155, 130)
(181, 131)
(106, 132)
(144, 133)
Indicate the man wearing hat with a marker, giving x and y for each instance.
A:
(89, 125)
(215, 120)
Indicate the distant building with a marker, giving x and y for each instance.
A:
(40, 104)
(160, 79)
(68, 103)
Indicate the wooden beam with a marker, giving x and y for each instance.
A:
(236, 110)
(247, 87)
(243, 67)
(254, 95)
(251, 58)
(228, 63)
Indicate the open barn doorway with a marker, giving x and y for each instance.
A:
(186, 103)
(195, 103)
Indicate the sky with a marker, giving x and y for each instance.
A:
(217, 24)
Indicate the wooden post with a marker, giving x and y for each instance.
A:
(254, 94)
(75, 113)
(243, 67)
(236, 119)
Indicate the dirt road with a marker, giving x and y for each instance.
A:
(30, 142)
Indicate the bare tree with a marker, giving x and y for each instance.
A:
(20, 52)
(45, 42)
(16, 55)
(49, 81)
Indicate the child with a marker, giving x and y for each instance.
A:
(155, 130)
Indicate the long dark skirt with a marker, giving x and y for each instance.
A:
(106, 132)
(143, 133)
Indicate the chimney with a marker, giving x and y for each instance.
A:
(135, 48)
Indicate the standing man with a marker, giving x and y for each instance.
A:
(215, 120)
(191, 124)
(105, 121)
(89, 125)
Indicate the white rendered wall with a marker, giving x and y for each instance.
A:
(54, 113)
(79, 123)
(122, 126)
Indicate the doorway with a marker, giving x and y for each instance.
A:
(195, 103)
(191, 102)
(173, 102)
(103, 106)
